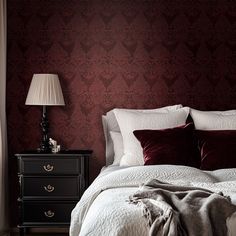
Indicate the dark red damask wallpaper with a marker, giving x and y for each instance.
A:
(115, 53)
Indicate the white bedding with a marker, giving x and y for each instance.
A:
(104, 210)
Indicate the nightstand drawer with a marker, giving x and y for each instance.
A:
(50, 166)
(50, 212)
(51, 186)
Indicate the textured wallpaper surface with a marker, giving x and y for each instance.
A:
(114, 53)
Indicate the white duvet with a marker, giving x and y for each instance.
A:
(104, 210)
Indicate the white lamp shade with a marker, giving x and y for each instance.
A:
(45, 90)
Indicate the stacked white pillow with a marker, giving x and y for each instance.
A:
(110, 124)
(124, 149)
(118, 146)
(214, 120)
(129, 121)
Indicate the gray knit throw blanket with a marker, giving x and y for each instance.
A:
(183, 211)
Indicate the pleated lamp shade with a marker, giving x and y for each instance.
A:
(45, 90)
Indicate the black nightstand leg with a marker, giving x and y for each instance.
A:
(22, 231)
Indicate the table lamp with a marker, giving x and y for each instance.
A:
(45, 90)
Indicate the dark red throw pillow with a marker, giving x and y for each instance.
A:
(218, 149)
(174, 146)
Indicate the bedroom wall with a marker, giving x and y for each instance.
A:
(111, 53)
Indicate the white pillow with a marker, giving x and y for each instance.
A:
(114, 126)
(129, 121)
(110, 124)
(118, 146)
(214, 120)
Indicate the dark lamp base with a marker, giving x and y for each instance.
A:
(44, 149)
(45, 146)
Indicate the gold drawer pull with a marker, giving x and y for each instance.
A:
(49, 213)
(49, 188)
(48, 168)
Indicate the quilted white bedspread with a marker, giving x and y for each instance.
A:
(104, 210)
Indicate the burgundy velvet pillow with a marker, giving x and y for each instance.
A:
(218, 149)
(174, 146)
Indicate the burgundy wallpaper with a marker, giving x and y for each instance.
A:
(115, 53)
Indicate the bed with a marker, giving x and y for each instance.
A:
(105, 207)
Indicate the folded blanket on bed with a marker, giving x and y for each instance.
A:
(177, 210)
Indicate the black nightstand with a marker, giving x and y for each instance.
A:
(50, 186)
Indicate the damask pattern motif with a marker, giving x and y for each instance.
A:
(116, 53)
